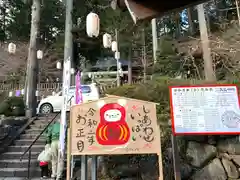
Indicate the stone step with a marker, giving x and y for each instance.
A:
(44, 120)
(49, 118)
(17, 155)
(25, 142)
(31, 136)
(33, 131)
(42, 123)
(20, 172)
(34, 148)
(37, 126)
(16, 163)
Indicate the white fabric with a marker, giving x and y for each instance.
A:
(54, 151)
(45, 155)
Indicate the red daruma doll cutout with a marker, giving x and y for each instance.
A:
(112, 129)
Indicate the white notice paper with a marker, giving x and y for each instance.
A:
(205, 109)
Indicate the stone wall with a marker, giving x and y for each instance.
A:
(9, 126)
(214, 158)
(201, 158)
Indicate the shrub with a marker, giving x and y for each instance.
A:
(157, 90)
(3, 95)
(12, 106)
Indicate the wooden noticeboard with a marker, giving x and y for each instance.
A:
(115, 125)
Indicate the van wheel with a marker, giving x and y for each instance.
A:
(46, 108)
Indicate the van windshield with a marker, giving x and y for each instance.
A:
(85, 89)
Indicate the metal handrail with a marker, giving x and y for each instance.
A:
(34, 141)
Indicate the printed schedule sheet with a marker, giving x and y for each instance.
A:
(207, 109)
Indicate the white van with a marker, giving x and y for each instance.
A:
(53, 103)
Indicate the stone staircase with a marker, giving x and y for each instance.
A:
(11, 167)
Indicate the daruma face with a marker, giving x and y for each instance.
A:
(112, 115)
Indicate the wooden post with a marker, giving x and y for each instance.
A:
(68, 153)
(176, 159)
(160, 164)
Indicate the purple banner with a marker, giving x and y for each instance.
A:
(18, 93)
(79, 98)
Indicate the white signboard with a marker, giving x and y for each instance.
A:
(205, 109)
(66, 85)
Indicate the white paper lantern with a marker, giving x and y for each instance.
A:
(39, 54)
(12, 48)
(22, 91)
(117, 55)
(37, 93)
(59, 65)
(89, 75)
(107, 40)
(114, 46)
(10, 94)
(93, 25)
(119, 65)
(72, 71)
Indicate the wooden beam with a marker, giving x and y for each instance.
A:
(86, 41)
(104, 73)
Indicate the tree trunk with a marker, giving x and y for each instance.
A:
(130, 65)
(190, 21)
(208, 64)
(32, 63)
(208, 23)
(238, 14)
(144, 60)
(217, 9)
(221, 5)
(178, 24)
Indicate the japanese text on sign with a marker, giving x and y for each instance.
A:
(205, 109)
(114, 126)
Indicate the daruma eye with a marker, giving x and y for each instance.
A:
(112, 115)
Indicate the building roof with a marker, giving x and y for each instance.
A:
(147, 9)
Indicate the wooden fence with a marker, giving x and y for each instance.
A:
(46, 89)
(51, 86)
(40, 87)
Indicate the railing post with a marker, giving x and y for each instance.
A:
(29, 163)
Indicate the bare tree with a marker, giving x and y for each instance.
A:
(238, 14)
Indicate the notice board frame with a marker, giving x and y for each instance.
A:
(199, 86)
(159, 153)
